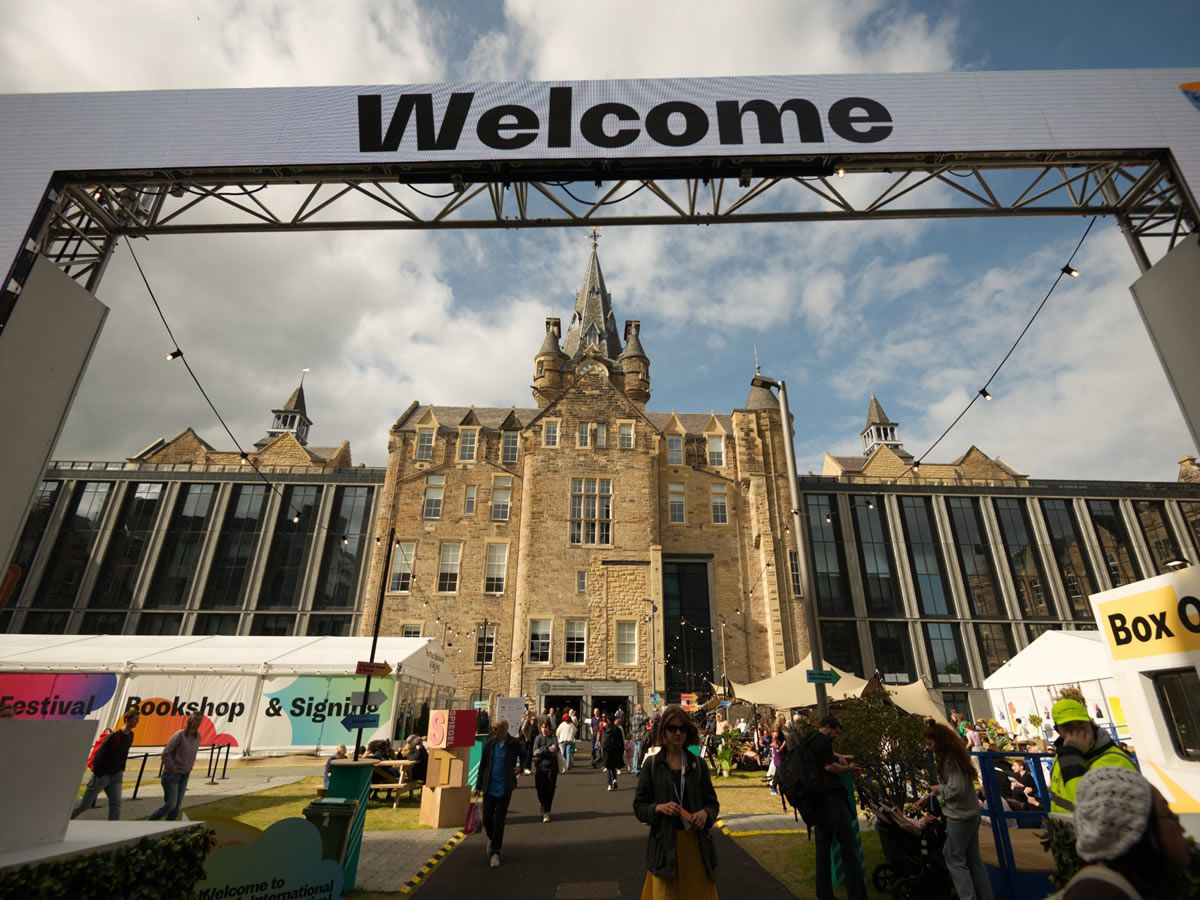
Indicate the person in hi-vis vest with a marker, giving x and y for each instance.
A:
(1080, 747)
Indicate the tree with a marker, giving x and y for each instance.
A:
(886, 741)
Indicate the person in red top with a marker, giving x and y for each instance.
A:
(108, 765)
(179, 756)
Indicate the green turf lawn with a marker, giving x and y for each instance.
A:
(792, 860)
(263, 808)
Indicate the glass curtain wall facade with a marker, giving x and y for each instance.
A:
(189, 553)
(950, 584)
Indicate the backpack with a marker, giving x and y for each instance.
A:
(800, 782)
(96, 746)
(614, 741)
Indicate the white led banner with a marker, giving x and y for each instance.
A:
(827, 116)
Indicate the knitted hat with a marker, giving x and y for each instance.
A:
(1112, 811)
(1069, 711)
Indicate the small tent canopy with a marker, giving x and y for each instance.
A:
(791, 688)
(1056, 657)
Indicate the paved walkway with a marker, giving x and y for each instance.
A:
(593, 847)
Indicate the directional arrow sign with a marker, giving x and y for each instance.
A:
(822, 676)
(375, 698)
(377, 669)
(369, 720)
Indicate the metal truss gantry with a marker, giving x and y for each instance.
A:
(88, 213)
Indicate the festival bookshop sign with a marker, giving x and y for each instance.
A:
(277, 712)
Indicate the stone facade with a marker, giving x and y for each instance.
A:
(589, 428)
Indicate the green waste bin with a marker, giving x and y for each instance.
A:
(332, 816)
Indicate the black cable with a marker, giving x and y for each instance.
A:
(218, 193)
(1061, 274)
(449, 193)
(192, 373)
(566, 190)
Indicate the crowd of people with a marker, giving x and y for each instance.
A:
(1134, 846)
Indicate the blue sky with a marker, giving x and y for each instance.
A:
(919, 312)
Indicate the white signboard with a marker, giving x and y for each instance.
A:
(647, 119)
(511, 709)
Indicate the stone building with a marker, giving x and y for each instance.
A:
(586, 550)
(610, 550)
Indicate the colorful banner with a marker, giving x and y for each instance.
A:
(165, 702)
(307, 710)
(73, 695)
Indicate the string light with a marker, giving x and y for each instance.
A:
(1067, 271)
(174, 354)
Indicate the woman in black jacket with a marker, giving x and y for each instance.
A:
(676, 798)
(614, 751)
(545, 766)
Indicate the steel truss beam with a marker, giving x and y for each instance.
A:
(90, 212)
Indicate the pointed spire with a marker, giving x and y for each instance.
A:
(633, 344)
(291, 418)
(880, 431)
(876, 415)
(593, 321)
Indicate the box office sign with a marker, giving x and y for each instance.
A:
(1151, 622)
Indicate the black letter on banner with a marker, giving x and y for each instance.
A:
(1120, 632)
(491, 123)
(1189, 614)
(591, 126)
(370, 122)
(849, 112)
(559, 125)
(695, 123)
(770, 121)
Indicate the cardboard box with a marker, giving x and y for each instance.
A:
(448, 768)
(451, 728)
(444, 807)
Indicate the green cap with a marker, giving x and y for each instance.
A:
(1067, 710)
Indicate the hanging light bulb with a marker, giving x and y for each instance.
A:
(1070, 271)
(983, 392)
(174, 354)
(296, 519)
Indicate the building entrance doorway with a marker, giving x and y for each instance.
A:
(561, 703)
(610, 704)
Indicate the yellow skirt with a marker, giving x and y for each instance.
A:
(691, 878)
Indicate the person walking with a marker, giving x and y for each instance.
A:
(1134, 842)
(637, 733)
(108, 767)
(832, 809)
(529, 731)
(566, 742)
(676, 798)
(595, 723)
(960, 807)
(179, 757)
(1079, 748)
(614, 752)
(545, 767)
(497, 779)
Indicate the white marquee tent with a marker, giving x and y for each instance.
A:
(262, 694)
(1029, 682)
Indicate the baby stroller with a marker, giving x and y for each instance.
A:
(913, 866)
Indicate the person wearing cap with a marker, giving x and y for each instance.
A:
(1126, 830)
(1080, 747)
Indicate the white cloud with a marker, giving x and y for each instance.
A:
(675, 38)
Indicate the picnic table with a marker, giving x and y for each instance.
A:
(404, 785)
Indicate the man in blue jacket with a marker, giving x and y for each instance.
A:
(497, 779)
